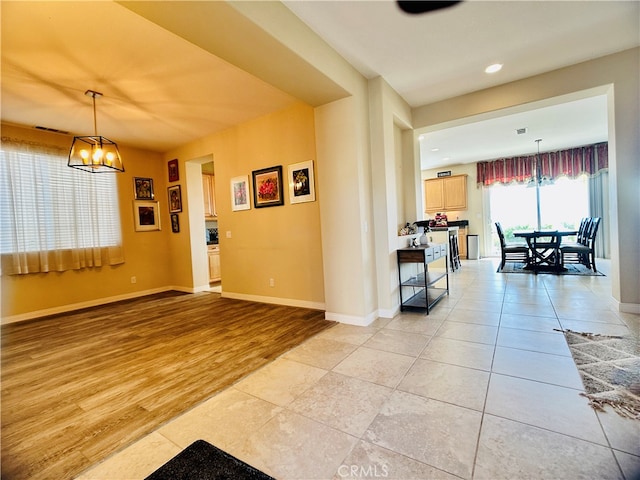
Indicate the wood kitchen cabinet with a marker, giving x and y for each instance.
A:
(445, 194)
(214, 263)
(209, 196)
(462, 242)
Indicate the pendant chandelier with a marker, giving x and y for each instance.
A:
(95, 154)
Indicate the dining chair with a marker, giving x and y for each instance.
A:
(585, 224)
(511, 252)
(583, 253)
(583, 233)
(454, 253)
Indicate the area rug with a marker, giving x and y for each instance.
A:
(203, 461)
(572, 269)
(610, 370)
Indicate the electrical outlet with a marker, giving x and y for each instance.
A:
(228, 233)
(134, 279)
(272, 282)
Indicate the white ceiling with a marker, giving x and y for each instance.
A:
(567, 124)
(442, 54)
(161, 91)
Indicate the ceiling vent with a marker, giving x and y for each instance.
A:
(47, 129)
(521, 131)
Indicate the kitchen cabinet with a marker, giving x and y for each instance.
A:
(445, 194)
(213, 252)
(462, 242)
(421, 288)
(209, 196)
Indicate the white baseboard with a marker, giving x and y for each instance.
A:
(629, 308)
(202, 288)
(91, 303)
(291, 302)
(385, 313)
(363, 321)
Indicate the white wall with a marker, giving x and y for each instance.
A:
(388, 113)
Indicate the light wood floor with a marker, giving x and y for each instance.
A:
(79, 386)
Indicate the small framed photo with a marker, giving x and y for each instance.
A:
(175, 223)
(175, 199)
(174, 175)
(240, 193)
(267, 187)
(301, 182)
(146, 215)
(143, 188)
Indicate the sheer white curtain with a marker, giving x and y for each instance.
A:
(54, 218)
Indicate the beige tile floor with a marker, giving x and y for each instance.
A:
(482, 388)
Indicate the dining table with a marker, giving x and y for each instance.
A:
(544, 248)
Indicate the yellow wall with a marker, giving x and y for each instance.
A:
(145, 252)
(281, 242)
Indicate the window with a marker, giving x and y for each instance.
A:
(562, 205)
(66, 218)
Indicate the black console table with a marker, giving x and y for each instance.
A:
(418, 290)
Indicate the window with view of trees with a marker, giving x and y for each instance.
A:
(562, 205)
(572, 185)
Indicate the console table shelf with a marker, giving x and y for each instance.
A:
(418, 288)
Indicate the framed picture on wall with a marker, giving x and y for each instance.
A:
(143, 188)
(240, 193)
(267, 187)
(175, 199)
(146, 216)
(175, 223)
(174, 175)
(301, 182)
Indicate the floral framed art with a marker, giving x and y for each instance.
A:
(301, 182)
(240, 193)
(174, 174)
(267, 187)
(175, 199)
(146, 215)
(175, 223)
(143, 188)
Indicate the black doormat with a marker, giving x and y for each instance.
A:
(203, 461)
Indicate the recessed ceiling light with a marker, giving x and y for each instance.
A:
(496, 67)
(435, 149)
(421, 137)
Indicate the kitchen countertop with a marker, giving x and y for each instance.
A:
(450, 223)
(458, 223)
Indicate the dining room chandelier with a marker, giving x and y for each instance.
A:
(537, 178)
(538, 175)
(95, 154)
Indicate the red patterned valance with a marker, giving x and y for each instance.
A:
(573, 162)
